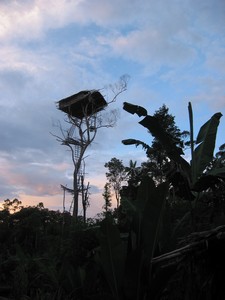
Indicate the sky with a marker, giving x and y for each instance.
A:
(173, 52)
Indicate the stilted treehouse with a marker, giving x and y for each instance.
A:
(83, 104)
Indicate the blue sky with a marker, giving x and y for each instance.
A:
(173, 51)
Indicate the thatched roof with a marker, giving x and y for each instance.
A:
(84, 103)
(196, 242)
(195, 271)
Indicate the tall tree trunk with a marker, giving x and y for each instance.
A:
(76, 195)
(83, 199)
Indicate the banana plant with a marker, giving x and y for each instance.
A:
(127, 264)
(201, 155)
(112, 257)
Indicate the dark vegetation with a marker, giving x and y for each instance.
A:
(165, 239)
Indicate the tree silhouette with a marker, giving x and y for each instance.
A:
(107, 197)
(116, 175)
(158, 161)
(83, 129)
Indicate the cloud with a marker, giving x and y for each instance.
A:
(150, 47)
(212, 93)
(28, 20)
(210, 16)
(53, 202)
(30, 176)
(215, 57)
(52, 49)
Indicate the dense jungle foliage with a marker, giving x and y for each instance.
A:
(165, 239)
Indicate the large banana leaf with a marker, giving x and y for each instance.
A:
(149, 204)
(112, 256)
(146, 188)
(203, 153)
(136, 143)
(135, 109)
(151, 216)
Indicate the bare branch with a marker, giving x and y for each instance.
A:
(119, 87)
